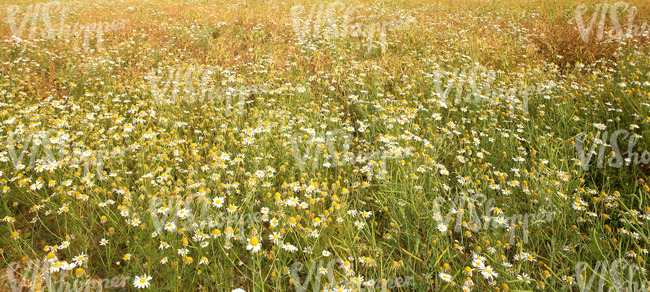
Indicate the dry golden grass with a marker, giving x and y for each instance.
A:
(230, 44)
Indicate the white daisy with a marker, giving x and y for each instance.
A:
(142, 282)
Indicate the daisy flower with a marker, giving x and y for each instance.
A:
(489, 273)
(217, 202)
(203, 261)
(290, 248)
(600, 126)
(356, 280)
(142, 282)
(445, 277)
(80, 259)
(183, 213)
(569, 280)
(254, 245)
(170, 226)
(275, 237)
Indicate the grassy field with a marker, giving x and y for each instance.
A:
(324, 146)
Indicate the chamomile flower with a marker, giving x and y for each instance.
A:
(203, 261)
(80, 259)
(445, 277)
(217, 202)
(276, 238)
(142, 282)
(254, 245)
(489, 273)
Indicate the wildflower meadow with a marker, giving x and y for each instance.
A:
(352, 145)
